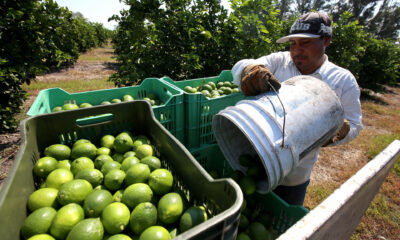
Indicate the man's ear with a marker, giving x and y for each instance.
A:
(327, 41)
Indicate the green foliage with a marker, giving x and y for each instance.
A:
(379, 143)
(36, 36)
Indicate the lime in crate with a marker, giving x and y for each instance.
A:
(203, 98)
(222, 198)
(166, 101)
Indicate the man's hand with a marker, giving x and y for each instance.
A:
(257, 79)
(344, 130)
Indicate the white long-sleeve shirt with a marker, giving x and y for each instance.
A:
(339, 79)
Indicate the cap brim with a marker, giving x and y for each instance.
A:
(297, 35)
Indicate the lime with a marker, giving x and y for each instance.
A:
(129, 154)
(95, 203)
(114, 179)
(105, 103)
(103, 151)
(88, 229)
(119, 237)
(80, 141)
(256, 172)
(143, 216)
(212, 84)
(144, 150)
(123, 142)
(127, 98)
(42, 237)
(136, 194)
(118, 195)
(74, 191)
(170, 208)
(58, 177)
(65, 220)
(128, 162)
(257, 231)
(58, 151)
(101, 159)
(118, 157)
(191, 217)
(70, 106)
(93, 176)
(187, 89)
(44, 166)
(81, 163)
(243, 223)
(138, 142)
(85, 105)
(66, 164)
(155, 233)
(248, 185)
(152, 161)
(138, 173)
(38, 222)
(107, 141)
(115, 217)
(84, 150)
(44, 197)
(243, 236)
(56, 109)
(173, 233)
(160, 181)
(220, 84)
(116, 100)
(110, 165)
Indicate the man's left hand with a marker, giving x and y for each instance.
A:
(342, 133)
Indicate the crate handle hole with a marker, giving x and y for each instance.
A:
(96, 119)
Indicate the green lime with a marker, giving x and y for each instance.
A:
(136, 194)
(58, 177)
(87, 229)
(257, 231)
(107, 141)
(256, 172)
(129, 154)
(58, 151)
(155, 233)
(243, 236)
(70, 106)
(81, 163)
(129, 162)
(101, 159)
(80, 141)
(44, 197)
(44, 166)
(152, 161)
(119, 237)
(243, 223)
(191, 217)
(84, 150)
(170, 208)
(144, 150)
(95, 203)
(123, 143)
(42, 237)
(110, 165)
(93, 176)
(138, 173)
(56, 109)
(114, 179)
(65, 220)
(143, 216)
(212, 84)
(103, 151)
(105, 103)
(127, 98)
(187, 89)
(118, 157)
(140, 141)
(115, 217)
(38, 222)
(85, 105)
(160, 181)
(66, 164)
(74, 191)
(118, 195)
(248, 185)
(116, 100)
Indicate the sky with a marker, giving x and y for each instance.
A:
(99, 10)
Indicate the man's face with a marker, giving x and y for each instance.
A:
(308, 53)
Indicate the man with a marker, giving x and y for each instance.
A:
(309, 36)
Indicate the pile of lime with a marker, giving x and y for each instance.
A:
(213, 90)
(117, 190)
(255, 222)
(151, 98)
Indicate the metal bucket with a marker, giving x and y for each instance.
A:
(280, 128)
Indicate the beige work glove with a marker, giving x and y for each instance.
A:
(256, 79)
(344, 130)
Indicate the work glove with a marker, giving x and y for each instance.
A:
(256, 79)
(344, 130)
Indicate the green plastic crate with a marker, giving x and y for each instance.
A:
(170, 113)
(200, 110)
(283, 214)
(222, 198)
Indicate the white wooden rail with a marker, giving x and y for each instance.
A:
(338, 216)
